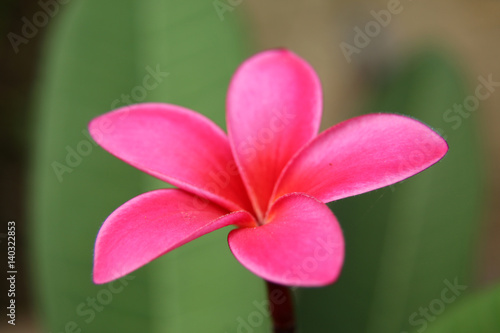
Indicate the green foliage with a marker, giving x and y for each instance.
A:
(99, 52)
(478, 314)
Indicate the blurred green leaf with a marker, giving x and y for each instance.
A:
(478, 314)
(96, 59)
(404, 241)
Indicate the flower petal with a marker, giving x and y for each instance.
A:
(176, 145)
(302, 243)
(360, 155)
(273, 109)
(152, 224)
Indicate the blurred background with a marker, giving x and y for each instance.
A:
(422, 255)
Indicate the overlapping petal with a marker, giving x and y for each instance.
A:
(273, 108)
(176, 145)
(362, 154)
(152, 224)
(301, 244)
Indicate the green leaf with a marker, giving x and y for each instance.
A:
(96, 59)
(477, 313)
(404, 241)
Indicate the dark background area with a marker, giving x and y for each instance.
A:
(17, 76)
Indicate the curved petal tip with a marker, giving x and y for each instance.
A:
(301, 244)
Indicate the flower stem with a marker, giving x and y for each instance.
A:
(281, 308)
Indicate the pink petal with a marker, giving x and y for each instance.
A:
(176, 145)
(302, 243)
(152, 224)
(273, 109)
(360, 155)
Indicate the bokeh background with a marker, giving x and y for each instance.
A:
(64, 62)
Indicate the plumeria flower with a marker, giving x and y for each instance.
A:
(270, 175)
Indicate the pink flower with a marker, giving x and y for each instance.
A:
(270, 176)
